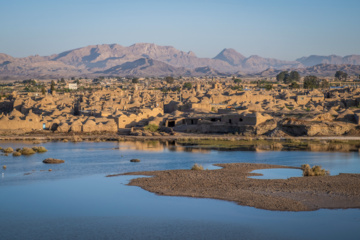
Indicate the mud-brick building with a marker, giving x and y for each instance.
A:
(244, 119)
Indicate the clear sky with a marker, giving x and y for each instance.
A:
(284, 29)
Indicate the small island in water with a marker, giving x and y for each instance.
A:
(232, 183)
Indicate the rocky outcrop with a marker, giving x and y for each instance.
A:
(53, 161)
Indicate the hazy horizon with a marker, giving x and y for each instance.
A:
(278, 29)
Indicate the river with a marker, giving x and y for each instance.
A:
(76, 201)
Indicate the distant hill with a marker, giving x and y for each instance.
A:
(143, 67)
(151, 59)
(231, 56)
(332, 59)
(320, 70)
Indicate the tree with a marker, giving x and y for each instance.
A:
(169, 80)
(135, 80)
(294, 76)
(43, 91)
(187, 85)
(324, 83)
(341, 76)
(294, 85)
(237, 80)
(311, 82)
(268, 86)
(282, 76)
(52, 87)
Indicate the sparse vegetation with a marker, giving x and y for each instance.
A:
(8, 150)
(151, 127)
(135, 80)
(197, 167)
(40, 149)
(187, 85)
(16, 154)
(237, 80)
(313, 171)
(169, 80)
(27, 151)
(311, 82)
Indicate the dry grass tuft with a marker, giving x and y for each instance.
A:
(197, 167)
(313, 171)
(16, 154)
(8, 150)
(27, 151)
(40, 149)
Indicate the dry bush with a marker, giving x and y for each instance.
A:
(8, 150)
(40, 149)
(27, 151)
(313, 171)
(197, 167)
(16, 154)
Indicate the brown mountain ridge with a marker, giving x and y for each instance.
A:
(149, 60)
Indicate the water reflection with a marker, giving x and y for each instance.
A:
(76, 200)
(277, 173)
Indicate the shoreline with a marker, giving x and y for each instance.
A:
(178, 136)
(210, 142)
(231, 183)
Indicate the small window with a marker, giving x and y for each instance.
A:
(240, 120)
(229, 120)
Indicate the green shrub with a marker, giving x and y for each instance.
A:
(314, 171)
(40, 149)
(8, 150)
(152, 127)
(27, 151)
(197, 167)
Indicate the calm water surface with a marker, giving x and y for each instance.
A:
(76, 201)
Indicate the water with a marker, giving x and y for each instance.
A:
(76, 201)
(277, 173)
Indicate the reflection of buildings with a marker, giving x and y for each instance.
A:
(157, 146)
(179, 148)
(154, 146)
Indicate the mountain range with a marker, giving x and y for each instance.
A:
(145, 59)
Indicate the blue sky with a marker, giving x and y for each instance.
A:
(279, 28)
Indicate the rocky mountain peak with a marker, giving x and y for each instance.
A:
(231, 56)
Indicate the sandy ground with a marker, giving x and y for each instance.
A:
(231, 183)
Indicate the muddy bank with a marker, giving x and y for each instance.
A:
(231, 183)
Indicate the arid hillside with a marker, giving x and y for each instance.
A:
(114, 59)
